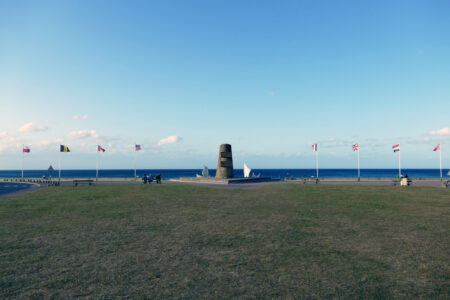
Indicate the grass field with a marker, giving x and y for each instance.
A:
(184, 241)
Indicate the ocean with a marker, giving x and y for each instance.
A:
(273, 173)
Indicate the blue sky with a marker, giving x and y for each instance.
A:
(268, 77)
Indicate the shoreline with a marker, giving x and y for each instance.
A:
(423, 182)
(26, 179)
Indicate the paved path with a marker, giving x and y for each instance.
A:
(435, 183)
(7, 188)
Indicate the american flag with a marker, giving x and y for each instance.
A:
(26, 149)
(314, 147)
(99, 148)
(355, 147)
(137, 147)
(437, 148)
(396, 147)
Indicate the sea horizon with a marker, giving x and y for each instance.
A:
(280, 173)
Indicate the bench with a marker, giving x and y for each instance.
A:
(83, 181)
(446, 183)
(147, 180)
(311, 180)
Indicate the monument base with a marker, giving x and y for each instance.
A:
(212, 180)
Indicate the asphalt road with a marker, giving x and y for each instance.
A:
(13, 187)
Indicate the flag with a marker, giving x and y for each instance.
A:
(396, 147)
(137, 147)
(355, 147)
(437, 148)
(100, 149)
(314, 147)
(26, 149)
(63, 148)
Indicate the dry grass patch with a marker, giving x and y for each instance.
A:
(281, 240)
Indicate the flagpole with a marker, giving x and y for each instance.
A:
(59, 166)
(135, 161)
(317, 163)
(22, 159)
(96, 174)
(359, 177)
(399, 165)
(440, 159)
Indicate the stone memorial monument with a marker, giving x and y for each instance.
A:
(225, 172)
(225, 163)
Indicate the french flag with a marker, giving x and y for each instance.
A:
(314, 147)
(437, 148)
(100, 149)
(396, 147)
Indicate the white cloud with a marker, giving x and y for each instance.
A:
(332, 142)
(270, 93)
(79, 134)
(443, 131)
(49, 142)
(8, 142)
(169, 140)
(30, 127)
(77, 117)
(421, 140)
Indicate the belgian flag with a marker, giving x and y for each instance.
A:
(64, 148)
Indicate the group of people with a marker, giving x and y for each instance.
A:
(149, 179)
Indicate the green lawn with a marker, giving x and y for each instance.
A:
(184, 241)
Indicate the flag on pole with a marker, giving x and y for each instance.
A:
(355, 147)
(100, 149)
(396, 147)
(64, 148)
(137, 147)
(26, 149)
(437, 148)
(314, 147)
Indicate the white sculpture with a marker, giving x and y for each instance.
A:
(205, 172)
(247, 171)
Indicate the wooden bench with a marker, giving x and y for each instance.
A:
(83, 181)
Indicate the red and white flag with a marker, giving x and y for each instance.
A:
(100, 149)
(26, 149)
(314, 147)
(355, 147)
(437, 148)
(396, 147)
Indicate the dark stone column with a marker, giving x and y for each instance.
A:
(225, 163)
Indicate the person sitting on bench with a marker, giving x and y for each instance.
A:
(144, 179)
(150, 178)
